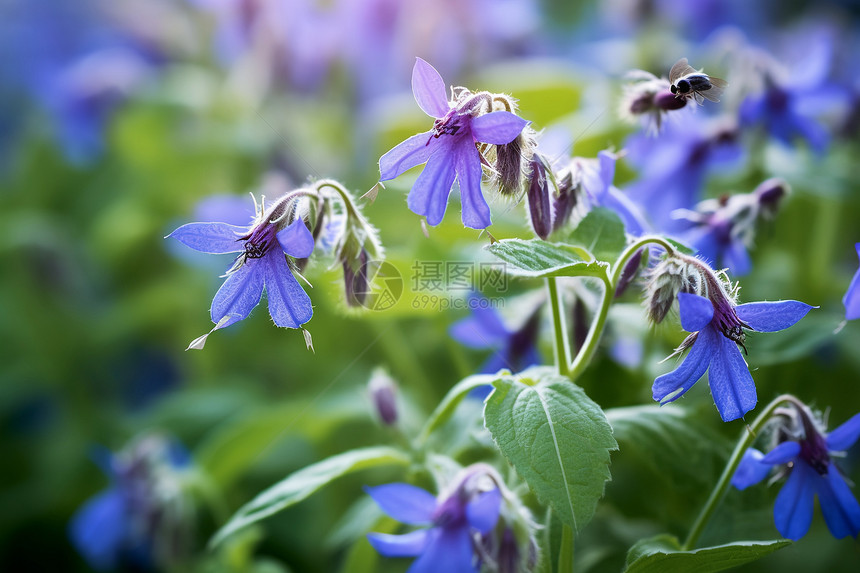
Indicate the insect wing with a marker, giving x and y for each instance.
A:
(680, 69)
(698, 97)
(717, 87)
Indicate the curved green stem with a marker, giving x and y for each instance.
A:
(345, 197)
(590, 345)
(561, 342)
(746, 441)
(610, 284)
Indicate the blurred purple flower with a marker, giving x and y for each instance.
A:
(851, 300)
(449, 148)
(717, 330)
(447, 544)
(515, 350)
(74, 61)
(600, 192)
(791, 100)
(722, 229)
(809, 464)
(130, 523)
(260, 265)
(674, 164)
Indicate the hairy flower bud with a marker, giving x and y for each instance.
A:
(383, 392)
(538, 197)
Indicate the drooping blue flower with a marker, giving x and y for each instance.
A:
(447, 545)
(809, 464)
(449, 148)
(128, 523)
(851, 300)
(721, 230)
(717, 330)
(483, 329)
(674, 164)
(260, 265)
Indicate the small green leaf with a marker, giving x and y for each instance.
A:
(600, 232)
(662, 554)
(685, 249)
(538, 259)
(556, 437)
(301, 484)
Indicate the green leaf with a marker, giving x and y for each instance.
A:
(669, 441)
(556, 437)
(301, 484)
(662, 554)
(454, 396)
(685, 249)
(538, 259)
(600, 232)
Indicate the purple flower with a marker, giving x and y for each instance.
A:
(597, 183)
(851, 300)
(717, 329)
(675, 163)
(260, 265)
(449, 148)
(447, 545)
(809, 464)
(722, 229)
(143, 518)
(515, 350)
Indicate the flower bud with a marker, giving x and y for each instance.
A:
(667, 101)
(566, 198)
(356, 284)
(383, 392)
(538, 197)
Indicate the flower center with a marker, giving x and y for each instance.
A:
(259, 240)
(813, 448)
(448, 125)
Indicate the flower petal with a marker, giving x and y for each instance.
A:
(406, 155)
(731, 383)
(782, 453)
(792, 511)
(839, 506)
(239, 294)
(751, 470)
(428, 87)
(851, 300)
(406, 503)
(215, 238)
(476, 212)
(99, 528)
(407, 545)
(429, 194)
(296, 240)
(483, 513)
(497, 127)
(669, 387)
(483, 328)
(449, 550)
(289, 305)
(696, 311)
(845, 435)
(736, 258)
(772, 316)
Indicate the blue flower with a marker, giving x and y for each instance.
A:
(721, 229)
(717, 329)
(260, 265)
(851, 300)
(597, 183)
(515, 350)
(789, 103)
(674, 165)
(447, 545)
(127, 524)
(449, 148)
(811, 471)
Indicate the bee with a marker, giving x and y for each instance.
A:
(688, 82)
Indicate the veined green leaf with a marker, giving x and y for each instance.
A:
(556, 437)
(662, 554)
(600, 232)
(538, 259)
(301, 484)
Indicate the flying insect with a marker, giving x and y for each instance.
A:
(687, 83)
